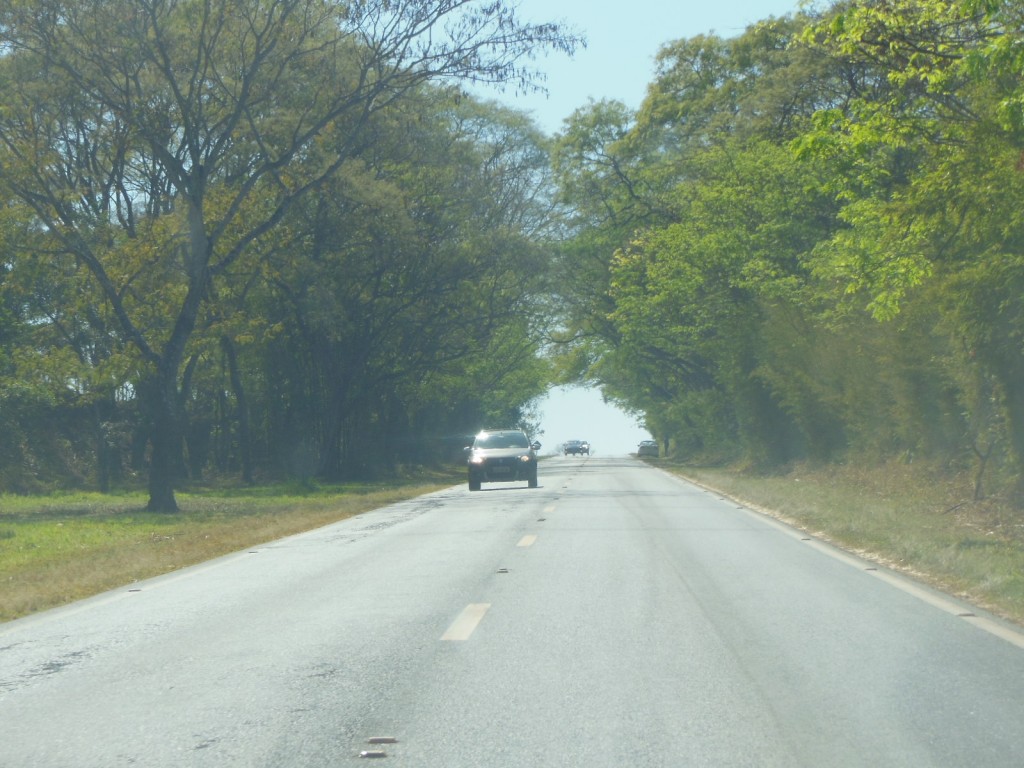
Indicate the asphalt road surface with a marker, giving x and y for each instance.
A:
(615, 616)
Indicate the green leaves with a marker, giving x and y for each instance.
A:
(819, 194)
(878, 254)
(163, 149)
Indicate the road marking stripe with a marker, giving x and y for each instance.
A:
(950, 606)
(895, 579)
(993, 628)
(466, 622)
(527, 541)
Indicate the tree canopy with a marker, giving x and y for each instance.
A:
(280, 238)
(155, 148)
(810, 240)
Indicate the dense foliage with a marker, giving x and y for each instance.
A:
(261, 236)
(276, 239)
(807, 243)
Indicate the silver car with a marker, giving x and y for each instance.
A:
(502, 456)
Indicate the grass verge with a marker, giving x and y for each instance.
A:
(906, 518)
(61, 548)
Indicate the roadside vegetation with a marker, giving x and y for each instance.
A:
(807, 245)
(63, 547)
(268, 239)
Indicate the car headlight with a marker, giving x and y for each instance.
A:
(525, 458)
(476, 460)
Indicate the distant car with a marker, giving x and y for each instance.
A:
(576, 447)
(648, 448)
(502, 456)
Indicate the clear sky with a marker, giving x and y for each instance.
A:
(618, 63)
(573, 413)
(622, 40)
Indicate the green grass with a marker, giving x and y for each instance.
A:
(906, 518)
(63, 547)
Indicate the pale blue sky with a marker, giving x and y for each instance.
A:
(622, 40)
(618, 63)
(572, 413)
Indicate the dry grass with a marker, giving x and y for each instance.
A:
(907, 518)
(58, 549)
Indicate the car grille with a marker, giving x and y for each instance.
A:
(506, 468)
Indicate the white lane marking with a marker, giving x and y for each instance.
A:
(549, 509)
(994, 628)
(466, 622)
(528, 540)
(934, 598)
(950, 606)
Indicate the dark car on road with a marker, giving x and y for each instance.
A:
(576, 447)
(502, 456)
(647, 448)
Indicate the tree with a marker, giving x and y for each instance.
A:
(934, 190)
(421, 287)
(156, 141)
(691, 218)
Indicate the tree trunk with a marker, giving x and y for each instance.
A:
(166, 463)
(1015, 415)
(166, 444)
(242, 410)
(104, 454)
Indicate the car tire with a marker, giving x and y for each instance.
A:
(474, 485)
(532, 481)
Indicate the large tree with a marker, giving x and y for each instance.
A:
(931, 172)
(682, 209)
(420, 296)
(157, 140)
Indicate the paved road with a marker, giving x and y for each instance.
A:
(615, 616)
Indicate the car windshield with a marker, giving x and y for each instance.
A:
(502, 440)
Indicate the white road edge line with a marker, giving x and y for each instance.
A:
(466, 622)
(934, 598)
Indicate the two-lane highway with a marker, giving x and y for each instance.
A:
(615, 616)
